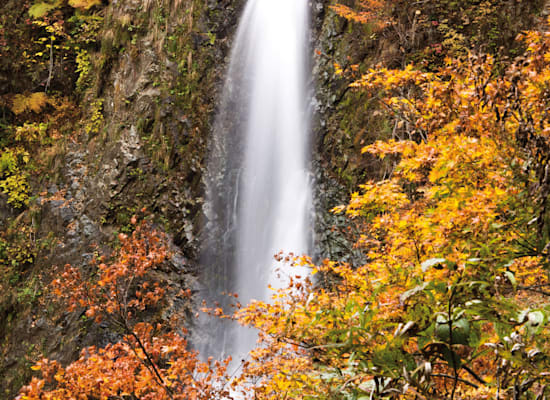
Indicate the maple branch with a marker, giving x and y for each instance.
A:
(152, 364)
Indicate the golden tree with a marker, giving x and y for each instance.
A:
(452, 301)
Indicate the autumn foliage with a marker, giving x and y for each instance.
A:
(150, 361)
(124, 370)
(372, 12)
(452, 301)
(123, 287)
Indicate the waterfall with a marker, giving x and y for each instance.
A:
(257, 190)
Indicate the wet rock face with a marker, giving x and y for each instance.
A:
(158, 97)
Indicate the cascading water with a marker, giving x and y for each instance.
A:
(257, 181)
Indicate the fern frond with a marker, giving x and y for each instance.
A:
(35, 102)
(42, 8)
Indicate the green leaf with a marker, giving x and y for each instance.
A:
(522, 316)
(510, 276)
(432, 262)
(452, 358)
(442, 328)
(410, 293)
(502, 330)
(38, 10)
(474, 338)
(461, 330)
(536, 318)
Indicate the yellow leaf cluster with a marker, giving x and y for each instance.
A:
(449, 244)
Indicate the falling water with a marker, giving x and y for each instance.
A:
(257, 181)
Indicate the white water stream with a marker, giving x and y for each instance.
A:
(258, 193)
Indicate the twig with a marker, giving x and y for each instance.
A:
(153, 365)
(453, 355)
(476, 377)
(456, 378)
(50, 74)
(533, 289)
